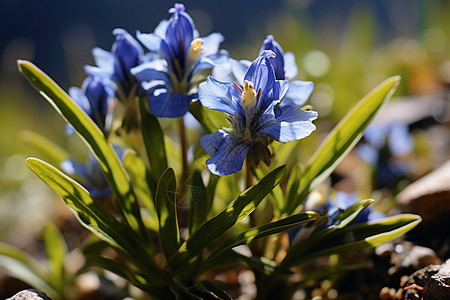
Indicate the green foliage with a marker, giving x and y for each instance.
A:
(167, 248)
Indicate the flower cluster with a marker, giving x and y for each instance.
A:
(262, 104)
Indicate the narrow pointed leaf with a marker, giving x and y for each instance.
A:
(302, 246)
(49, 149)
(264, 230)
(94, 139)
(94, 217)
(342, 139)
(22, 266)
(154, 142)
(167, 213)
(137, 171)
(56, 250)
(357, 237)
(238, 209)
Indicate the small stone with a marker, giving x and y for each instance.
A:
(30, 294)
(429, 197)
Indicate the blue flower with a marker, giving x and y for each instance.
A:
(115, 66)
(333, 208)
(258, 113)
(384, 146)
(284, 66)
(171, 82)
(89, 175)
(96, 99)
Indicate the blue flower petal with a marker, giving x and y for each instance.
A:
(146, 72)
(80, 99)
(228, 150)
(166, 104)
(150, 40)
(261, 73)
(179, 33)
(290, 124)
(239, 69)
(290, 67)
(103, 59)
(212, 43)
(298, 93)
(213, 94)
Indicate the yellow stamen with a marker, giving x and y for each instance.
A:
(248, 95)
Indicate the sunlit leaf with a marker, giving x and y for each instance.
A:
(137, 171)
(154, 142)
(94, 139)
(56, 250)
(342, 139)
(49, 149)
(211, 120)
(22, 266)
(354, 238)
(264, 230)
(167, 213)
(94, 217)
(239, 208)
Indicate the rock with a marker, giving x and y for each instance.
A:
(431, 282)
(429, 197)
(30, 294)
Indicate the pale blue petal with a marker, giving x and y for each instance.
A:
(161, 28)
(290, 67)
(298, 93)
(291, 124)
(150, 40)
(229, 155)
(212, 43)
(80, 99)
(239, 69)
(103, 59)
(213, 94)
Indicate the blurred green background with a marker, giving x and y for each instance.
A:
(346, 47)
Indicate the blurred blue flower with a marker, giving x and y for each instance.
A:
(115, 66)
(171, 82)
(384, 144)
(334, 207)
(89, 175)
(97, 99)
(258, 112)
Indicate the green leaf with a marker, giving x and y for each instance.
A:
(50, 150)
(95, 218)
(154, 141)
(213, 290)
(238, 209)
(354, 238)
(342, 139)
(211, 120)
(167, 213)
(198, 211)
(264, 230)
(56, 250)
(202, 198)
(94, 139)
(137, 171)
(22, 266)
(345, 218)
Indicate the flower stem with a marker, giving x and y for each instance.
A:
(185, 165)
(249, 183)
